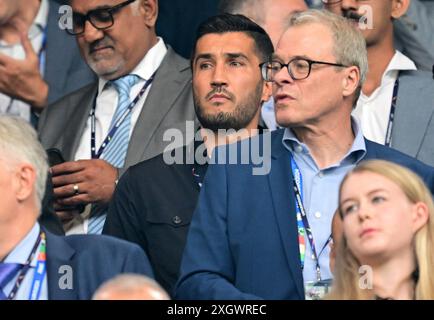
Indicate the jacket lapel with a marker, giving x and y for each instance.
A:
(169, 82)
(59, 267)
(279, 179)
(75, 126)
(413, 113)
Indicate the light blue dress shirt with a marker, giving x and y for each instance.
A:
(267, 114)
(20, 254)
(320, 195)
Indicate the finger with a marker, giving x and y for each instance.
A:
(74, 200)
(67, 167)
(67, 179)
(5, 59)
(67, 191)
(27, 45)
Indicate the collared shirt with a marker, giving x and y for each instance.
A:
(373, 111)
(36, 35)
(106, 103)
(268, 115)
(20, 254)
(320, 194)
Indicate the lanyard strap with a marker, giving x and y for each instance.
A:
(303, 225)
(388, 140)
(40, 270)
(41, 53)
(197, 177)
(112, 131)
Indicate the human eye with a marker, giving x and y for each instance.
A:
(205, 65)
(378, 199)
(349, 208)
(300, 64)
(236, 63)
(101, 15)
(275, 66)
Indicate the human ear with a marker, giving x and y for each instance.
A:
(351, 80)
(149, 10)
(399, 8)
(25, 177)
(420, 215)
(267, 91)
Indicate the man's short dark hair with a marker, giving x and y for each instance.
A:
(224, 23)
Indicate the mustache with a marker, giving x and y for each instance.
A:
(219, 90)
(349, 14)
(100, 43)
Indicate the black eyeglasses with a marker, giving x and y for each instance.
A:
(338, 1)
(331, 1)
(101, 19)
(298, 68)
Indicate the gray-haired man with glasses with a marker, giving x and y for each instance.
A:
(268, 236)
(144, 88)
(298, 68)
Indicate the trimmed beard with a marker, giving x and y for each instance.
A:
(238, 119)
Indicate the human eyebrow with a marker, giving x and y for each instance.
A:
(275, 57)
(101, 7)
(346, 201)
(202, 56)
(237, 55)
(376, 190)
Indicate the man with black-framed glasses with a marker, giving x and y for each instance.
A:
(267, 236)
(144, 89)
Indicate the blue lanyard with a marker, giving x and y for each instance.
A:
(97, 155)
(40, 271)
(197, 177)
(41, 53)
(302, 220)
(388, 140)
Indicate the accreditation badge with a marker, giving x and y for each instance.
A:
(316, 290)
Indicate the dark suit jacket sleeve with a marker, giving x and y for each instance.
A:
(122, 216)
(207, 268)
(137, 261)
(48, 218)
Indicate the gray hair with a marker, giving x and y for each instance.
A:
(349, 43)
(131, 286)
(19, 143)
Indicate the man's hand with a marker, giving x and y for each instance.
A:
(94, 181)
(21, 79)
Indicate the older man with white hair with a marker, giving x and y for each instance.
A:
(35, 264)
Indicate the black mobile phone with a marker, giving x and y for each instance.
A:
(55, 157)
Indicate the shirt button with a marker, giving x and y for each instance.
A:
(317, 214)
(321, 174)
(176, 220)
(298, 149)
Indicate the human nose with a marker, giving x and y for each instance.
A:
(282, 76)
(349, 5)
(91, 33)
(364, 212)
(219, 76)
